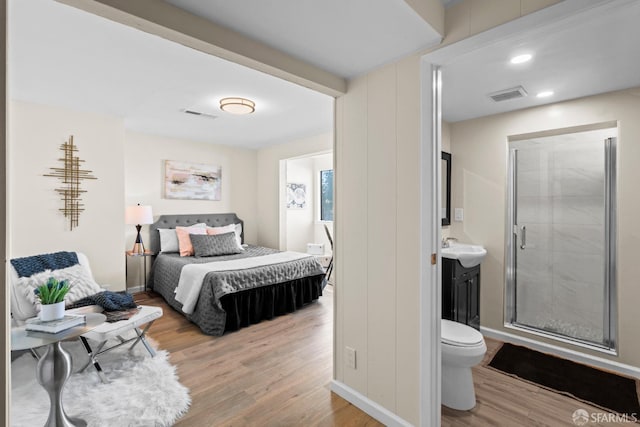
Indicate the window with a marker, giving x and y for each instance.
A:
(326, 195)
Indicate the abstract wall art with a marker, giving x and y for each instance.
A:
(296, 196)
(192, 181)
(71, 176)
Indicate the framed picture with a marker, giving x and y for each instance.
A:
(192, 181)
(296, 196)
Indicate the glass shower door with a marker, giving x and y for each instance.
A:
(561, 212)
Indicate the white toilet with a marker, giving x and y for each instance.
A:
(462, 348)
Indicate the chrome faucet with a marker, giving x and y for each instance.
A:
(446, 242)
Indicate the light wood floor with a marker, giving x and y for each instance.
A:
(502, 400)
(277, 373)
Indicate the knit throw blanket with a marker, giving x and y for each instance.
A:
(108, 300)
(30, 265)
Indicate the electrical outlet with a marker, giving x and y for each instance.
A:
(350, 357)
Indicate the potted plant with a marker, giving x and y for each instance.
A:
(51, 296)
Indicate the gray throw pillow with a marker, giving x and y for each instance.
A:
(214, 245)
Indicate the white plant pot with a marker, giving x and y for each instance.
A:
(50, 312)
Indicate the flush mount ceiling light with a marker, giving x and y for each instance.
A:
(545, 94)
(521, 59)
(237, 105)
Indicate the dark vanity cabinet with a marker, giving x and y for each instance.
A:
(460, 293)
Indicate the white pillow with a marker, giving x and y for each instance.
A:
(27, 305)
(239, 233)
(21, 307)
(169, 238)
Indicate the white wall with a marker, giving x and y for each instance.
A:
(377, 237)
(268, 180)
(378, 218)
(36, 226)
(303, 225)
(144, 157)
(479, 186)
(144, 176)
(446, 137)
(300, 221)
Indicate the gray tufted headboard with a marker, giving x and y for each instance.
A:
(171, 221)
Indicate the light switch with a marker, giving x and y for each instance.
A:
(458, 214)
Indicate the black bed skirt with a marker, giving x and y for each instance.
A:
(264, 303)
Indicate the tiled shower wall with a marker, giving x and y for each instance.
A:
(560, 193)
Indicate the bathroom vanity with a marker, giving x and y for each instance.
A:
(461, 292)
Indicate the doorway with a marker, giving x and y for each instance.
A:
(306, 205)
(561, 248)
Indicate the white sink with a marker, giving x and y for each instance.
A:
(468, 255)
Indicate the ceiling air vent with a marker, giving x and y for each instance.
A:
(505, 95)
(198, 113)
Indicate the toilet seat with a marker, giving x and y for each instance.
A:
(459, 335)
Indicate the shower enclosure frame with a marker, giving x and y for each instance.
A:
(610, 324)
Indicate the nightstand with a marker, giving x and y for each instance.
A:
(144, 257)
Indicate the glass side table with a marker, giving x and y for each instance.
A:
(53, 369)
(144, 257)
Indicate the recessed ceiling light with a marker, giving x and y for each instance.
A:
(545, 94)
(237, 105)
(520, 59)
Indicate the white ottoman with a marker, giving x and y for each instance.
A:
(146, 316)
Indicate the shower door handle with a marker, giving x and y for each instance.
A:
(523, 237)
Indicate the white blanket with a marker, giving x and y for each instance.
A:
(192, 275)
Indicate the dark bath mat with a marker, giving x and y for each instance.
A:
(601, 388)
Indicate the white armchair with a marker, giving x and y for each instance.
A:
(24, 305)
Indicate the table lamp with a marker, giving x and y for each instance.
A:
(138, 215)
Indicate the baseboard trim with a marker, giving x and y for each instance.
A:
(566, 353)
(135, 289)
(367, 405)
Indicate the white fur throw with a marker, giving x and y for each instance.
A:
(143, 391)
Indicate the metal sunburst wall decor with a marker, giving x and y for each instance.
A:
(71, 176)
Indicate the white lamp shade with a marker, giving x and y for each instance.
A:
(138, 215)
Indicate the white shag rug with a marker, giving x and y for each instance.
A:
(143, 391)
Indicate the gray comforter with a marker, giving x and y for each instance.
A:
(209, 314)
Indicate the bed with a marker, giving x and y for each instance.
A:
(258, 284)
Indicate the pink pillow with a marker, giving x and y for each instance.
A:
(184, 241)
(212, 231)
